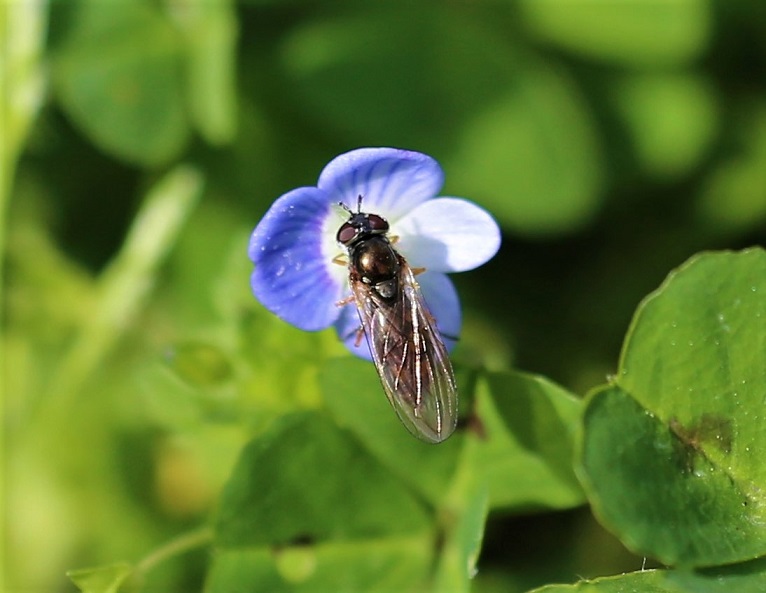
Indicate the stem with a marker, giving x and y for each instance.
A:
(175, 547)
(23, 28)
(125, 284)
(180, 545)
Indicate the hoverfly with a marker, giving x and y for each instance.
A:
(407, 349)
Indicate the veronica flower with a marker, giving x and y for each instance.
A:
(296, 254)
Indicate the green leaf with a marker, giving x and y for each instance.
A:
(210, 29)
(526, 453)
(672, 119)
(657, 491)
(636, 582)
(307, 509)
(521, 141)
(118, 77)
(393, 563)
(733, 197)
(531, 156)
(671, 454)
(354, 395)
(465, 508)
(101, 579)
(400, 81)
(633, 33)
(749, 577)
(331, 487)
(352, 392)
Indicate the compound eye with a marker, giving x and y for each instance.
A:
(346, 233)
(377, 223)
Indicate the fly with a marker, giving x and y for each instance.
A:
(407, 348)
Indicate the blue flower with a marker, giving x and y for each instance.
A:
(295, 251)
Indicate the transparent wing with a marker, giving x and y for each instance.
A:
(410, 357)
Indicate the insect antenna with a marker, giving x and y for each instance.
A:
(358, 206)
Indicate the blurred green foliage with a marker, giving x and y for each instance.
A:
(163, 428)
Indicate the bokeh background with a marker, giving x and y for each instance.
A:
(142, 141)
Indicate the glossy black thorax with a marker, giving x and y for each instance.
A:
(377, 265)
(372, 259)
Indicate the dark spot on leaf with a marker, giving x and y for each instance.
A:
(709, 429)
(694, 442)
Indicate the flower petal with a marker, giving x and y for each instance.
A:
(348, 326)
(447, 235)
(441, 299)
(444, 304)
(292, 277)
(391, 181)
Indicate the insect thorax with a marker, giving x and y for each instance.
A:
(377, 265)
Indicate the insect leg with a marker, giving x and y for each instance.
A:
(359, 336)
(343, 302)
